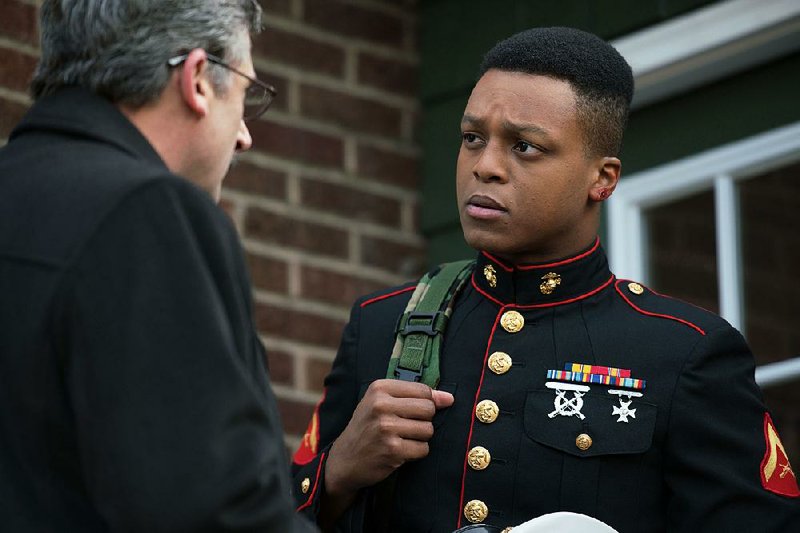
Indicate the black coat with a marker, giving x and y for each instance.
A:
(695, 455)
(133, 389)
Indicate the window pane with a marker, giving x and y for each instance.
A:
(682, 248)
(770, 226)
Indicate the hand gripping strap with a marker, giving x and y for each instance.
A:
(420, 330)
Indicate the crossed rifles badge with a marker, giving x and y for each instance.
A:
(575, 380)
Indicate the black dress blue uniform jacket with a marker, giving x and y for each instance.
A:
(696, 451)
(133, 389)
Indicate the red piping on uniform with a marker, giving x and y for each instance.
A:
(502, 265)
(499, 263)
(659, 315)
(472, 418)
(316, 483)
(590, 251)
(549, 304)
(383, 297)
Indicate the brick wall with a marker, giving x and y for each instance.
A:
(326, 201)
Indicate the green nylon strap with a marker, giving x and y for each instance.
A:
(421, 328)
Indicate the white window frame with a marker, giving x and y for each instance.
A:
(717, 169)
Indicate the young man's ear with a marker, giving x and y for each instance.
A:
(195, 88)
(606, 179)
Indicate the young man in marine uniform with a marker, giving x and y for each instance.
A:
(562, 387)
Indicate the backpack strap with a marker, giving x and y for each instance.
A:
(420, 330)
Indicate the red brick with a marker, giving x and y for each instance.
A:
(16, 70)
(268, 274)
(276, 7)
(388, 166)
(333, 287)
(281, 367)
(351, 112)
(281, 84)
(10, 114)
(257, 180)
(388, 74)
(298, 325)
(316, 372)
(404, 259)
(350, 202)
(354, 21)
(300, 51)
(284, 231)
(19, 21)
(295, 415)
(297, 144)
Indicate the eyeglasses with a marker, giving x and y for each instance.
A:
(258, 95)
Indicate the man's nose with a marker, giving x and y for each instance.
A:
(491, 164)
(243, 139)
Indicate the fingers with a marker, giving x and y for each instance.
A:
(442, 399)
(400, 389)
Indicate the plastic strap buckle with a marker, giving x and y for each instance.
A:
(428, 327)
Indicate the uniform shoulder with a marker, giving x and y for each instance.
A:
(402, 293)
(390, 295)
(661, 306)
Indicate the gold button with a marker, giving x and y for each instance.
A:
(635, 288)
(507, 530)
(500, 362)
(551, 281)
(479, 458)
(476, 511)
(305, 485)
(512, 321)
(487, 411)
(583, 442)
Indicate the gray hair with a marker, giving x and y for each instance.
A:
(119, 48)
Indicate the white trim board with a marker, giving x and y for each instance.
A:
(708, 44)
(716, 169)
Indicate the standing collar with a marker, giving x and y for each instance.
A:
(544, 284)
(78, 112)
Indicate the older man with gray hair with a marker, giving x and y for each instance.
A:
(133, 389)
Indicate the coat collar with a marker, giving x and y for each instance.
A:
(78, 112)
(543, 285)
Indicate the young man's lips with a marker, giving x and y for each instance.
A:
(484, 207)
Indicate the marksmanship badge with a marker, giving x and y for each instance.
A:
(567, 406)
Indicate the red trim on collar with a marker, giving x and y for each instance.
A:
(548, 304)
(500, 263)
(588, 252)
(507, 268)
(659, 315)
(316, 484)
(383, 297)
(472, 417)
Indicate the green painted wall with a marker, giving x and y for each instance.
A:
(456, 33)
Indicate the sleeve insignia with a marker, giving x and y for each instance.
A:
(776, 472)
(309, 446)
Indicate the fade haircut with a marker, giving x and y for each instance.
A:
(119, 48)
(600, 77)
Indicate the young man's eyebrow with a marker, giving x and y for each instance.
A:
(471, 120)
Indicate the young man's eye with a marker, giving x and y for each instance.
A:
(525, 147)
(469, 138)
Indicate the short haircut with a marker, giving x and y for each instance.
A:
(119, 48)
(600, 77)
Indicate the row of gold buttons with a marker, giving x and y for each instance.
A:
(487, 412)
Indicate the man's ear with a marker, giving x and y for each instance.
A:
(605, 181)
(195, 87)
